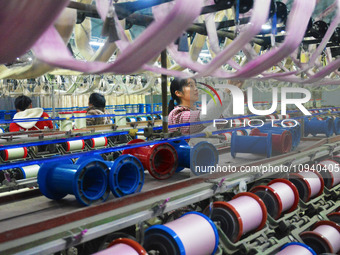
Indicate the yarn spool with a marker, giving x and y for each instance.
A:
(15, 153)
(2, 130)
(87, 180)
(245, 213)
(121, 119)
(309, 184)
(131, 119)
(74, 145)
(202, 156)
(272, 117)
(141, 108)
(228, 135)
(123, 246)
(192, 234)
(251, 144)
(97, 142)
(296, 248)
(128, 108)
(315, 127)
(334, 216)
(161, 160)
(282, 143)
(79, 122)
(66, 124)
(30, 171)
(330, 172)
(279, 196)
(135, 108)
(126, 175)
(324, 238)
(142, 118)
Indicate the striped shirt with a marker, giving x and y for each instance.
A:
(183, 114)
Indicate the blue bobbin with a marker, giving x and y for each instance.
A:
(87, 179)
(126, 175)
(251, 144)
(202, 156)
(315, 126)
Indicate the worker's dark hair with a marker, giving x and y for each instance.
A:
(176, 84)
(97, 100)
(22, 103)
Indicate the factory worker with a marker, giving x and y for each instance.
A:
(23, 105)
(185, 93)
(97, 105)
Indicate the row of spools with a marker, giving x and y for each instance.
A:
(196, 233)
(90, 179)
(278, 138)
(268, 139)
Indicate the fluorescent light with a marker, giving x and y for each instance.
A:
(93, 43)
(29, 59)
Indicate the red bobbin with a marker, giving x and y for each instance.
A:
(330, 172)
(325, 237)
(161, 160)
(281, 143)
(279, 196)
(310, 184)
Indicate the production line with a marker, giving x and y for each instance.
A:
(170, 127)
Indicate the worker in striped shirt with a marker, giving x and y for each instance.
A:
(184, 92)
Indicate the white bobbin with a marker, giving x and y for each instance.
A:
(331, 175)
(309, 184)
(123, 246)
(15, 153)
(279, 196)
(98, 142)
(74, 145)
(325, 237)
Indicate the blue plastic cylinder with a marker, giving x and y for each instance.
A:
(337, 126)
(168, 236)
(315, 126)
(141, 108)
(202, 156)
(148, 108)
(126, 175)
(308, 249)
(296, 133)
(251, 144)
(87, 179)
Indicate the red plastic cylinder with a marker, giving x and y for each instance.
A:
(161, 160)
(282, 143)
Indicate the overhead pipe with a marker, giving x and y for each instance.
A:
(282, 143)
(245, 213)
(87, 180)
(126, 175)
(296, 248)
(124, 246)
(330, 171)
(202, 156)
(251, 144)
(161, 160)
(324, 238)
(279, 196)
(315, 126)
(192, 234)
(309, 184)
